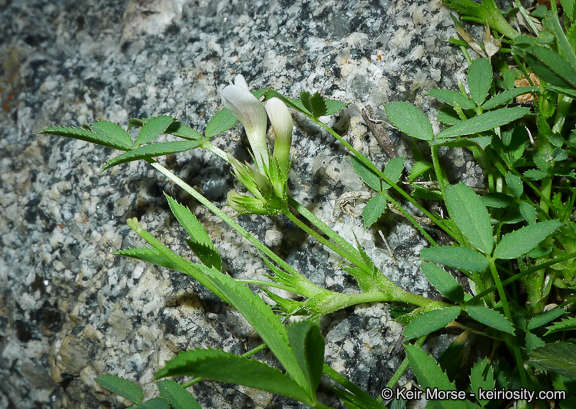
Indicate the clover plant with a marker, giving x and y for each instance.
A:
(514, 241)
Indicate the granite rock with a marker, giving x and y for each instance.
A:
(69, 309)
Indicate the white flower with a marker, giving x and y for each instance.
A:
(282, 124)
(251, 113)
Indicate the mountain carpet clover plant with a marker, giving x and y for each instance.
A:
(507, 277)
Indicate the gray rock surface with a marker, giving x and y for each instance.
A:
(69, 309)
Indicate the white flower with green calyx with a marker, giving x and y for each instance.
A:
(282, 124)
(252, 115)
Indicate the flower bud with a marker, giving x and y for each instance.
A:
(281, 121)
(251, 113)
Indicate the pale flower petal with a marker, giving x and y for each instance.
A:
(282, 124)
(251, 113)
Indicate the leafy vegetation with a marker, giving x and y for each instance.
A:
(515, 243)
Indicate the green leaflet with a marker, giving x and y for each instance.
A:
(393, 169)
(109, 141)
(490, 318)
(151, 151)
(151, 255)
(410, 120)
(221, 122)
(430, 321)
(450, 97)
(525, 239)
(442, 281)
(515, 184)
(559, 357)
(480, 381)
(484, 122)
(180, 130)
(550, 66)
(314, 104)
(367, 175)
(200, 242)
(430, 375)
(176, 395)
(153, 128)
(545, 318)
(226, 367)
(373, 210)
(479, 79)
(458, 257)
(308, 345)
(123, 387)
(113, 131)
(506, 96)
(471, 216)
(567, 324)
(264, 321)
(197, 271)
(156, 403)
(418, 169)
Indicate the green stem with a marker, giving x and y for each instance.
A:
(214, 149)
(368, 163)
(438, 170)
(393, 293)
(309, 289)
(248, 354)
(518, 276)
(323, 227)
(511, 340)
(354, 258)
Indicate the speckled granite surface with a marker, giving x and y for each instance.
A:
(69, 310)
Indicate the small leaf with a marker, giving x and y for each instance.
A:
(333, 106)
(314, 103)
(223, 366)
(559, 357)
(545, 318)
(373, 210)
(410, 120)
(442, 281)
(528, 212)
(470, 215)
(490, 318)
(506, 97)
(450, 97)
(367, 175)
(550, 66)
(123, 387)
(480, 381)
(567, 324)
(394, 168)
(515, 184)
(430, 375)
(221, 122)
(87, 136)
(190, 223)
(176, 395)
(308, 345)
(151, 151)
(152, 256)
(262, 318)
(153, 128)
(156, 403)
(497, 200)
(479, 79)
(180, 130)
(461, 258)
(418, 169)
(113, 131)
(485, 122)
(430, 321)
(524, 240)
